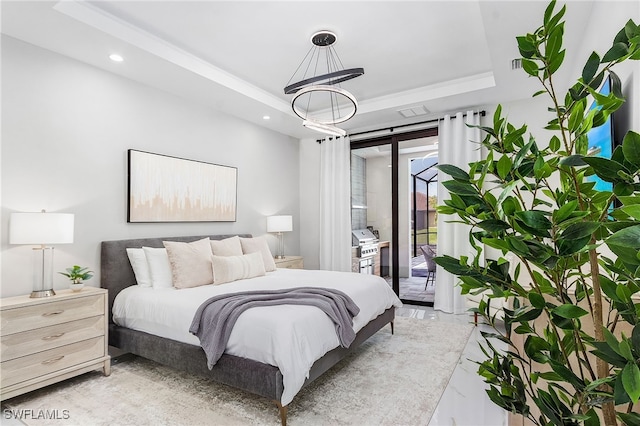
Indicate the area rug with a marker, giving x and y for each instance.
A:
(390, 380)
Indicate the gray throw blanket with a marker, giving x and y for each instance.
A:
(215, 318)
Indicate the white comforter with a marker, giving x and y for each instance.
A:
(289, 337)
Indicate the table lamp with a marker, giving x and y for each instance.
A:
(41, 229)
(279, 224)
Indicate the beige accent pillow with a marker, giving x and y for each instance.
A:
(190, 263)
(232, 268)
(259, 245)
(227, 247)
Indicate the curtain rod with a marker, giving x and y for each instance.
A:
(392, 128)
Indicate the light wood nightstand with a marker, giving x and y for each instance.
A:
(46, 340)
(291, 262)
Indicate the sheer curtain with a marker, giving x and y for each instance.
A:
(458, 145)
(335, 204)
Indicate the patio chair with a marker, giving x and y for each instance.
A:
(429, 254)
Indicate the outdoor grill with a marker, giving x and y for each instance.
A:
(367, 248)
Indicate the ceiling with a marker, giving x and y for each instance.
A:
(237, 56)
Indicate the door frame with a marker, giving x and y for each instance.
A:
(394, 140)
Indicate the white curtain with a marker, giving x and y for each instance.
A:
(335, 204)
(458, 145)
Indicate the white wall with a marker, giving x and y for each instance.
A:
(66, 128)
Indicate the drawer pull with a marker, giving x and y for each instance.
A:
(52, 360)
(53, 336)
(50, 314)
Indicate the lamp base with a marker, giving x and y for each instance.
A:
(280, 256)
(42, 293)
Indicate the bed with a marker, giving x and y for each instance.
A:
(179, 351)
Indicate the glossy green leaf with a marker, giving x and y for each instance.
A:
(630, 419)
(564, 212)
(494, 225)
(530, 67)
(454, 171)
(627, 238)
(573, 160)
(535, 219)
(633, 211)
(537, 300)
(605, 169)
(631, 148)
(617, 51)
(504, 166)
(460, 188)
(590, 68)
(569, 311)
(631, 381)
(580, 230)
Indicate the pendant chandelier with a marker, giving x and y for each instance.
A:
(318, 98)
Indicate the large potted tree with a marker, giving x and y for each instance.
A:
(572, 329)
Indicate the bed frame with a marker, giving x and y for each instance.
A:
(246, 374)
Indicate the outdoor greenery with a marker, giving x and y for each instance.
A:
(576, 250)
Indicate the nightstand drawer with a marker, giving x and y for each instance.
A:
(51, 313)
(42, 363)
(45, 338)
(290, 262)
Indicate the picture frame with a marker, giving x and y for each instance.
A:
(162, 188)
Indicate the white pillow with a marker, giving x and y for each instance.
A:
(227, 247)
(190, 263)
(140, 266)
(232, 268)
(159, 267)
(259, 245)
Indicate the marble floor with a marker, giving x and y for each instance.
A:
(464, 401)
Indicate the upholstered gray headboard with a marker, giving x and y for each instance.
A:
(116, 273)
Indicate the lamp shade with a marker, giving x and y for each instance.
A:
(41, 228)
(279, 223)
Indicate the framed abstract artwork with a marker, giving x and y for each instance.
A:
(171, 189)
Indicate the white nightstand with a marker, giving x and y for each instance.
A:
(46, 340)
(291, 262)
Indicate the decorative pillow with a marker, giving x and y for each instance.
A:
(259, 245)
(227, 247)
(140, 266)
(190, 263)
(159, 267)
(232, 268)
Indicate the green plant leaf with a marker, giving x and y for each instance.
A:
(590, 68)
(454, 171)
(535, 219)
(569, 311)
(573, 160)
(605, 169)
(617, 51)
(628, 238)
(580, 230)
(504, 166)
(530, 67)
(631, 381)
(460, 188)
(494, 225)
(537, 301)
(630, 419)
(631, 148)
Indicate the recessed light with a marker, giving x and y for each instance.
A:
(116, 58)
(266, 117)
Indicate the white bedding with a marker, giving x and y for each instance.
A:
(289, 337)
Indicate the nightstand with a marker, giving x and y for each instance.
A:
(290, 262)
(46, 340)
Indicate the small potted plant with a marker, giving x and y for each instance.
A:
(77, 275)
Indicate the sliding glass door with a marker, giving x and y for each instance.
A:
(392, 195)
